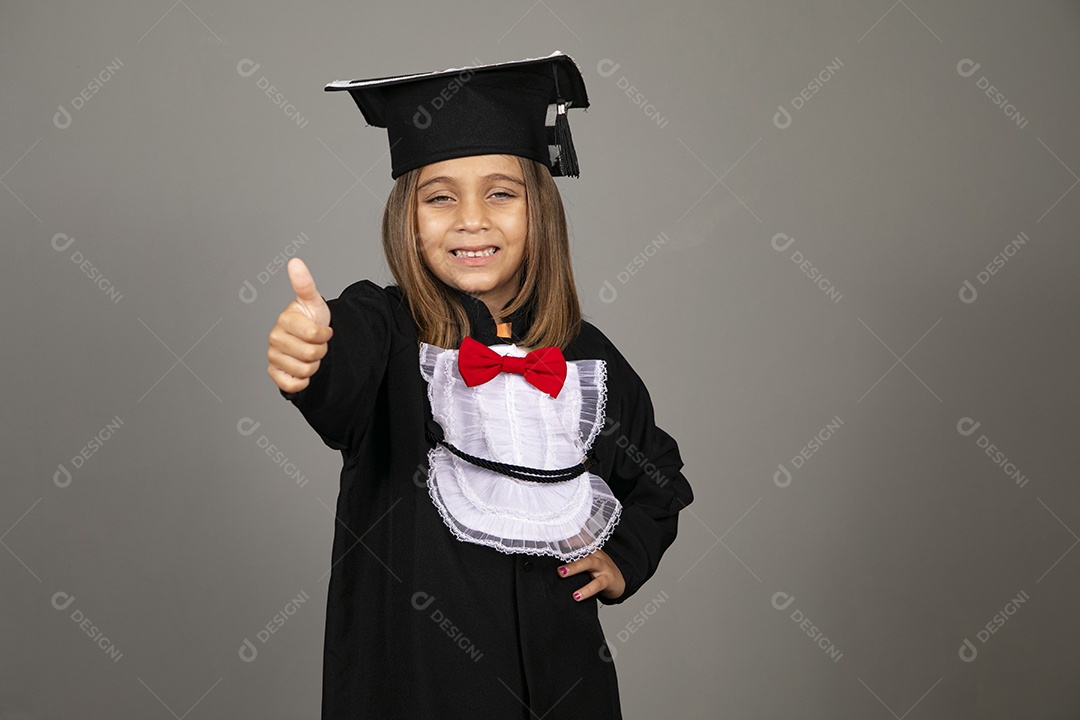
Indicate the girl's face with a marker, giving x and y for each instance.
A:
(472, 217)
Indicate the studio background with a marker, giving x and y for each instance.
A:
(837, 240)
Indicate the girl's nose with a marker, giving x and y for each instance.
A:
(472, 213)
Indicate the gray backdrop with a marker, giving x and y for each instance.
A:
(836, 239)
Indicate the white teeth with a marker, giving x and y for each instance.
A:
(473, 253)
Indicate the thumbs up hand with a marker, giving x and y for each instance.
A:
(299, 339)
(308, 299)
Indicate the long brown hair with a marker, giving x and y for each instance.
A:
(547, 279)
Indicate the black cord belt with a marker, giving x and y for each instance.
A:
(514, 471)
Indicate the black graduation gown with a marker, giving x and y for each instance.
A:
(422, 625)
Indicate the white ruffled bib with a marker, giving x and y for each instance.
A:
(507, 420)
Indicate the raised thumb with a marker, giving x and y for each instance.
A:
(302, 282)
(304, 287)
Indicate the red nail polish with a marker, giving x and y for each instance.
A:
(562, 571)
(577, 596)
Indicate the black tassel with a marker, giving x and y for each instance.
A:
(568, 164)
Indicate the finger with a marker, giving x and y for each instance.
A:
(592, 588)
(586, 563)
(297, 323)
(308, 299)
(290, 365)
(286, 382)
(302, 282)
(288, 343)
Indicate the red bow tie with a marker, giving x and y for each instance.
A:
(544, 368)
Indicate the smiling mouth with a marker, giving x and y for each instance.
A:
(463, 253)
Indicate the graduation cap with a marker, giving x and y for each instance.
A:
(513, 108)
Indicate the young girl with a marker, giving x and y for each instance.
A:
(502, 471)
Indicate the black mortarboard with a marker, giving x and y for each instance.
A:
(514, 108)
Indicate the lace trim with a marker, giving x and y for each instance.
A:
(593, 384)
(558, 515)
(568, 520)
(428, 355)
(566, 550)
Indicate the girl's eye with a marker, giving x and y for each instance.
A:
(443, 199)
